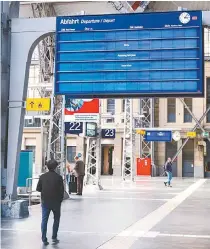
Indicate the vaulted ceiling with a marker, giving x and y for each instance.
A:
(102, 7)
(174, 5)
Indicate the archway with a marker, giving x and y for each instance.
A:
(25, 36)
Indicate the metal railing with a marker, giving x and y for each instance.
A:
(29, 190)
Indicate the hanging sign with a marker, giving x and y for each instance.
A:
(108, 133)
(38, 104)
(159, 136)
(73, 128)
(191, 134)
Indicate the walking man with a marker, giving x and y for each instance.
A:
(79, 170)
(168, 170)
(52, 191)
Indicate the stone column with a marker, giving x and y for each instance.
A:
(198, 160)
(160, 157)
(179, 159)
(117, 155)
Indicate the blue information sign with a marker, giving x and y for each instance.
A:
(140, 54)
(108, 133)
(158, 136)
(73, 128)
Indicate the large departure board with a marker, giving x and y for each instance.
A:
(130, 55)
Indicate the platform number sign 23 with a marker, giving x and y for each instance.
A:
(73, 127)
(108, 133)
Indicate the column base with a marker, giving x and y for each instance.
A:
(14, 209)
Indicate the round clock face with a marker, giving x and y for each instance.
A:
(184, 17)
(176, 136)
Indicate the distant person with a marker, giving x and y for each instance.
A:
(79, 170)
(168, 170)
(68, 171)
(52, 191)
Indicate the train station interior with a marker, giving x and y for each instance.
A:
(121, 88)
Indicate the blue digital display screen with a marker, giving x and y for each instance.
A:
(141, 54)
(158, 136)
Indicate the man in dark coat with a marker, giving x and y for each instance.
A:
(52, 191)
(79, 170)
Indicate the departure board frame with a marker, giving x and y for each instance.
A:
(130, 55)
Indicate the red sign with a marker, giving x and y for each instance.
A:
(144, 166)
(74, 106)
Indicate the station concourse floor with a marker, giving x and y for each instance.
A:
(141, 215)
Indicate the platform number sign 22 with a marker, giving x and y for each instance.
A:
(108, 133)
(73, 128)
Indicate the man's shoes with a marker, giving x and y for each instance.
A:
(78, 194)
(46, 243)
(55, 241)
(165, 183)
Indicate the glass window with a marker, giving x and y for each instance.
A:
(35, 55)
(71, 153)
(171, 113)
(110, 109)
(33, 148)
(34, 75)
(187, 116)
(33, 122)
(111, 106)
(208, 98)
(110, 120)
(207, 43)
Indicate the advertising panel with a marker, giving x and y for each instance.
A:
(81, 110)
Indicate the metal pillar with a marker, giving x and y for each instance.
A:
(93, 157)
(128, 142)
(55, 129)
(147, 110)
(91, 161)
(56, 138)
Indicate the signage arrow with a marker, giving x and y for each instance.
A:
(32, 104)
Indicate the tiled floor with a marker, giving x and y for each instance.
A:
(143, 215)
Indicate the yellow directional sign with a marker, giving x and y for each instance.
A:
(141, 132)
(38, 104)
(191, 134)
